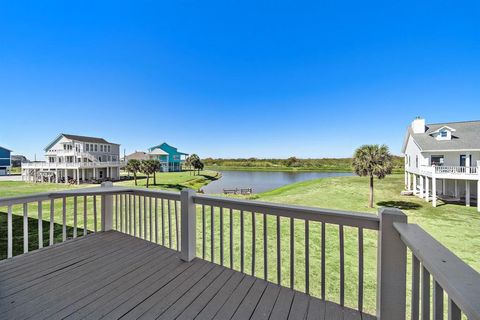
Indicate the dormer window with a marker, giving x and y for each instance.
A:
(444, 134)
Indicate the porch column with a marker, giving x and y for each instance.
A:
(427, 189)
(456, 188)
(66, 176)
(56, 175)
(78, 176)
(408, 181)
(444, 189)
(421, 186)
(94, 173)
(83, 175)
(434, 191)
(414, 184)
(467, 193)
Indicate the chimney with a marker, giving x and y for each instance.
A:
(418, 125)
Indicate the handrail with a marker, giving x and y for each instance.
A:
(459, 280)
(367, 221)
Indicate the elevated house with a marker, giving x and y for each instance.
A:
(170, 158)
(76, 159)
(442, 160)
(5, 161)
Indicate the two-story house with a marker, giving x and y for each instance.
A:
(442, 160)
(72, 158)
(5, 161)
(170, 158)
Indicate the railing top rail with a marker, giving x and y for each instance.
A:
(459, 280)
(367, 221)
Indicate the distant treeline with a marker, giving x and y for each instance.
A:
(292, 163)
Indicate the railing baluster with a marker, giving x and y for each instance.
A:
(292, 253)
(425, 294)
(134, 215)
(323, 261)
(360, 269)
(342, 264)
(156, 220)
(221, 236)
(140, 232)
(95, 214)
(307, 257)
(52, 221)
(265, 248)
(64, 219)
(169, 224)
(85, 219)
(9, 233)
(25, 227)
(150, 224)
(40, 224)
(454, 312)
(415, 287)
(212, 231)
(163, 222)
(121, 212)
(74, 217)
(177, 232)
(145, 226)
(116, 212)
(203, 232)
(253, 243)
(279, 254)
(231, 238)
(130, 211)
(126, 213)
(242, 243)
(437, 301)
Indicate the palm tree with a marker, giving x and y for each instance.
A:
(193, 160)
(156, 167)
(373, 161)
(134, 166)
(148, 168)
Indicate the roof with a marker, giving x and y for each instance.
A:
(5, 148)
(78, 138)
(137, 155)
(158, 152)
(163, 145)
(465, 136)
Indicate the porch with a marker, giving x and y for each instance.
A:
(143, 256)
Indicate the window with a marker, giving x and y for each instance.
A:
(86, 147)
(416, 161)
(96, 149)
(108, 148)
(437, 160)
(463, 160)
(443, 133)
(101, 148)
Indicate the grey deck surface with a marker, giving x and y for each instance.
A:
(112, 275)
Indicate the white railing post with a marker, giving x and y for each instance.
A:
(107, 208)
(188, 225)
(392, 267)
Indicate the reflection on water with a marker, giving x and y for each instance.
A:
(262, 181)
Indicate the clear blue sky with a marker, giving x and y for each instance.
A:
(235, 78)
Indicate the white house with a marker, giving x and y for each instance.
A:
(76, 158)
(442, 160)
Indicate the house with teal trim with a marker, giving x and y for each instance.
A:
(170, 158)
(5, 161)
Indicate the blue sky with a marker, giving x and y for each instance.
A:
(235, 78)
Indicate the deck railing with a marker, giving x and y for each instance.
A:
(61, 165)
(262, 239)
(449, 170)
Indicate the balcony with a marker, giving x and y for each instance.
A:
(71, 165)
(164, 255)
(459, 172)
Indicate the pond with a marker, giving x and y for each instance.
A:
(261, 181)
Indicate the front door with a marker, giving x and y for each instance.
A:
(463, 160)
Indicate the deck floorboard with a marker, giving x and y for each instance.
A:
(111, 275)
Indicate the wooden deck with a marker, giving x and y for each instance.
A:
(112, 275)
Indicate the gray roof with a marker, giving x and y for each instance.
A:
(465, 137)
(84, 138)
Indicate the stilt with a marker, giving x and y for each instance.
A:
(467, 193)
(414, 184)
(78, 176)
(434, 191)
(421, 187)
(456, 189)
(66, 176)
(427, 191)
(444, 189)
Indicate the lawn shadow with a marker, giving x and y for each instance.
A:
(17, 228)
(402, 205)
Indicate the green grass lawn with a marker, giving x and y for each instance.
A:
(454, 225)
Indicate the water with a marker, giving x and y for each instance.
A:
(261, 181)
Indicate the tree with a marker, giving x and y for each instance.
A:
(134, 166)
(148, 167)
(198, 164)
(156, 167)
(372, 161)
(194, 161)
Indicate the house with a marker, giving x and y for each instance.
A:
(442, 160)
(137, 155)
(170, 158)
(76, 158)
(5, 161)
